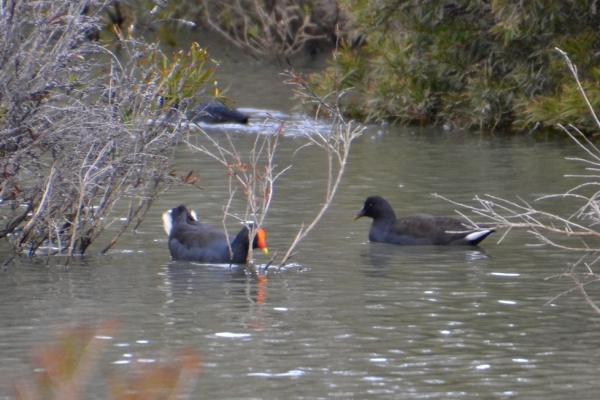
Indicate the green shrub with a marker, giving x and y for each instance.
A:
(468, 64)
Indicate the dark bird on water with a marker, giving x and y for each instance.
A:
(216, 113)
(419, 229)
(192, 240)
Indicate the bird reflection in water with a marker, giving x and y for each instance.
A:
(381, 255)
(257, 295)
(203, 284)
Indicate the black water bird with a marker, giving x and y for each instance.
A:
(192, 240)
(419, 229)
(216, 113)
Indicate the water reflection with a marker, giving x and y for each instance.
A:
(220, 287)
(384, 255)
(206, 280)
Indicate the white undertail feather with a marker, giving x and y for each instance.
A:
(168, 220)
(471, 237)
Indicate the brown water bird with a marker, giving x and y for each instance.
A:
(419, 229)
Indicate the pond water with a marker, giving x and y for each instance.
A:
(347, 318)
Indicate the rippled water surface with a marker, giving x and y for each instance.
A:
(348, 318)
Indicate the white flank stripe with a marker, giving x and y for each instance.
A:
(476, 235)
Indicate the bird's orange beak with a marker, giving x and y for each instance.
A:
(261, 240)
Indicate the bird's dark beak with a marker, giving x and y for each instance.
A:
(361, 213)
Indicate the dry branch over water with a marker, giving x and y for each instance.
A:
(551, 229)
(77, 154)
(255, 173)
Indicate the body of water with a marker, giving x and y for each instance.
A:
(346, 318)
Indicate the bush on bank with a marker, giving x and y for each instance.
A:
(77, 151)
(468, 64)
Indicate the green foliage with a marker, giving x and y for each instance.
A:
(468, 64)
(182, 76)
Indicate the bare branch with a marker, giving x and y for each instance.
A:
(547, 227)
